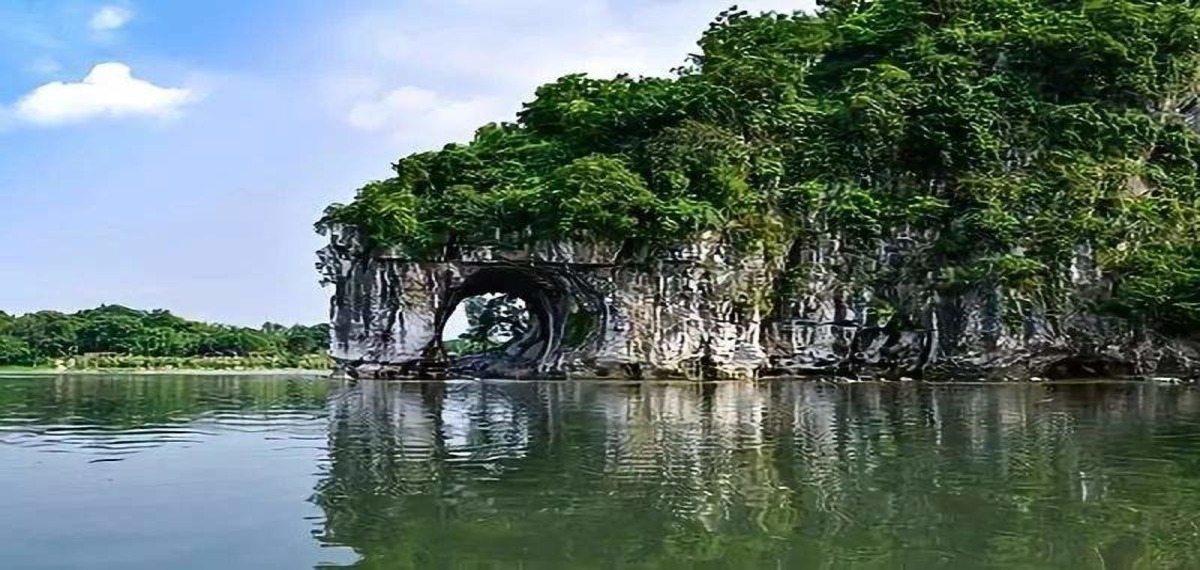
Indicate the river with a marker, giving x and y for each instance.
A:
(204, 472)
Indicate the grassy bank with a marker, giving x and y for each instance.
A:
(311, 362)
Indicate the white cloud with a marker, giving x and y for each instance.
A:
(538, 40)
(109, 18)
(423, 118)
(466, 62)
(109, 89)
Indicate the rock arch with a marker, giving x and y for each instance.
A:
(597, 311)
(551, 301)
(709, 310)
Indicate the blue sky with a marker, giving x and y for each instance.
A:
(175, 153)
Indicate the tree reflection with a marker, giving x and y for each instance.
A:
(772, 475)
(115, 415)
(125, 401)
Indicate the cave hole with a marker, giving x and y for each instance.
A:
(501, 321)
(485, 323)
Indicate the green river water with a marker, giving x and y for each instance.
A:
(182, 472)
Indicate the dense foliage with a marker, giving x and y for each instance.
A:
(1014, 131)
(492, 320)
(48, 336)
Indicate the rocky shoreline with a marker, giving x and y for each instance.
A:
(828, 307)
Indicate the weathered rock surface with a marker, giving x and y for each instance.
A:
(826, 307)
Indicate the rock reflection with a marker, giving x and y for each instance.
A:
(788, 474)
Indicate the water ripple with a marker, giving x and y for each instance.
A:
(777, 474)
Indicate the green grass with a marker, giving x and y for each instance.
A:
(138, 363)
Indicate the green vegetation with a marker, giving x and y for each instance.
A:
(492, 320)
(1013, 131)
(112, 336)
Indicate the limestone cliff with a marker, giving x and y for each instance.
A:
(827, 306)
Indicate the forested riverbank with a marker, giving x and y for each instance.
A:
(119, 337)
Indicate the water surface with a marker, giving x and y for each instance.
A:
(276, 472)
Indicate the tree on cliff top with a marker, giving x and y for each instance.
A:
(1012, 130)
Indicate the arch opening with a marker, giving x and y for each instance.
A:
(485, 323)
(501, 322)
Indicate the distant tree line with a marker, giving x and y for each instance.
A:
(46, 336)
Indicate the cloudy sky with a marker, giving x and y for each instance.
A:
(175, 154)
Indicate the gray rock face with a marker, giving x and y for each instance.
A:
(707, 310)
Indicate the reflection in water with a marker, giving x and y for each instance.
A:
(111, 416)
(202, 472)
(181, 472)
(790, 475)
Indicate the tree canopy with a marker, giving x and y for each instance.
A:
(1014, 131)
(44, 336)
